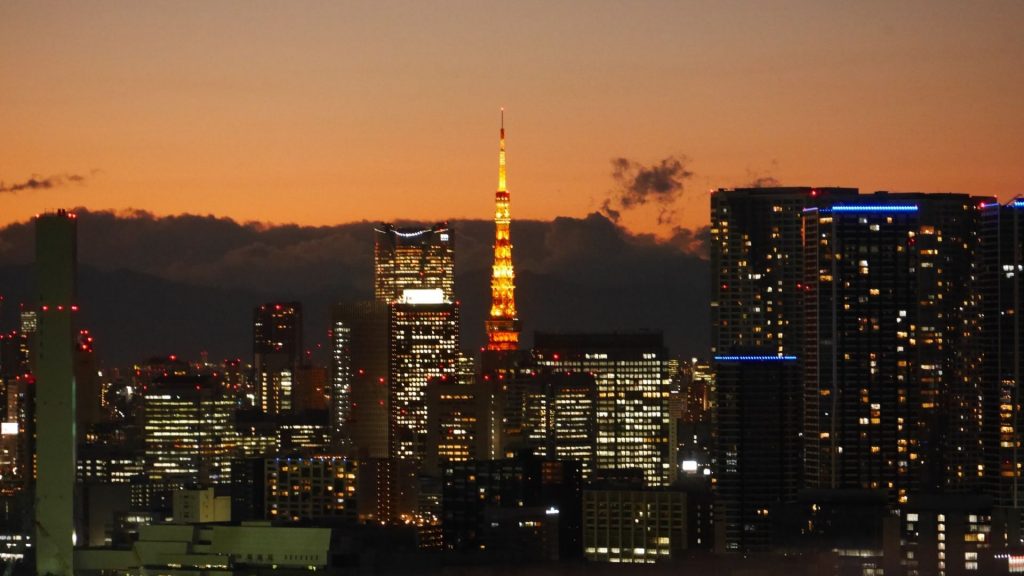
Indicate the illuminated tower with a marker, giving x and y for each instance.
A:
(502, 325)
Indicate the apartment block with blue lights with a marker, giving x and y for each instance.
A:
(892, 324)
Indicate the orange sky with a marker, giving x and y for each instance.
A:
(327, 112)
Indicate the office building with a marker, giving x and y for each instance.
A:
(413, 258)
(277, 354)
(632, 380)
(236, 378)
(199, 506)
(457, 422)
(89, 394)
(550, 414)
(639, 526)
(414, 276)
(310, 391)
(53, 368)
(519, 509)
(213, 549)
(424, 344)
(189, 432)
(694, 410)
(359, 377)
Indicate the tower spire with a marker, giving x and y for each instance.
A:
(501, 154)
(502, 323)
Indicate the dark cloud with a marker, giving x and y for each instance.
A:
(188, 283)
(763, 179)
(637, 185)
(764, 182)
(692, 241)
(37, 182)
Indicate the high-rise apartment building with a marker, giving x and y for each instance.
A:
(757, 266)
(893, 388)
(277, 354)
(758, 446)
(1001, 259)
(308, 489)
(632, 397)
(53, 367)
(757, 310)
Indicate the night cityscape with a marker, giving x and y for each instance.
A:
(269, 304)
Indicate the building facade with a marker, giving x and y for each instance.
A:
(188, 431)
(277, 354)
(632, 408)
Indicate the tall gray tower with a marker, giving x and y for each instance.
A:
(53, 366)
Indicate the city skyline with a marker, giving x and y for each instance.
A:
(912, 98)
(755, 307)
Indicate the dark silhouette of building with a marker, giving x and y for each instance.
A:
(758, 446)
(53, 368)
(517, 509)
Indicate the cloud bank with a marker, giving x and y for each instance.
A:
(188, 283)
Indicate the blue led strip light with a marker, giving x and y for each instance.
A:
(754, 358)
(874, 208)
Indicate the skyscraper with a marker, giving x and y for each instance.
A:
(757, 310)
(632, 380)
(414, 276)
(277, 353)
(413, 258)
(456, 422)
(560, 417)
(189, 431)
(359, 377)
(757, 265)
(502, 322)
(758, 445)
(893, 386)
(424, 339)
(56, 282)
(1001, 259)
